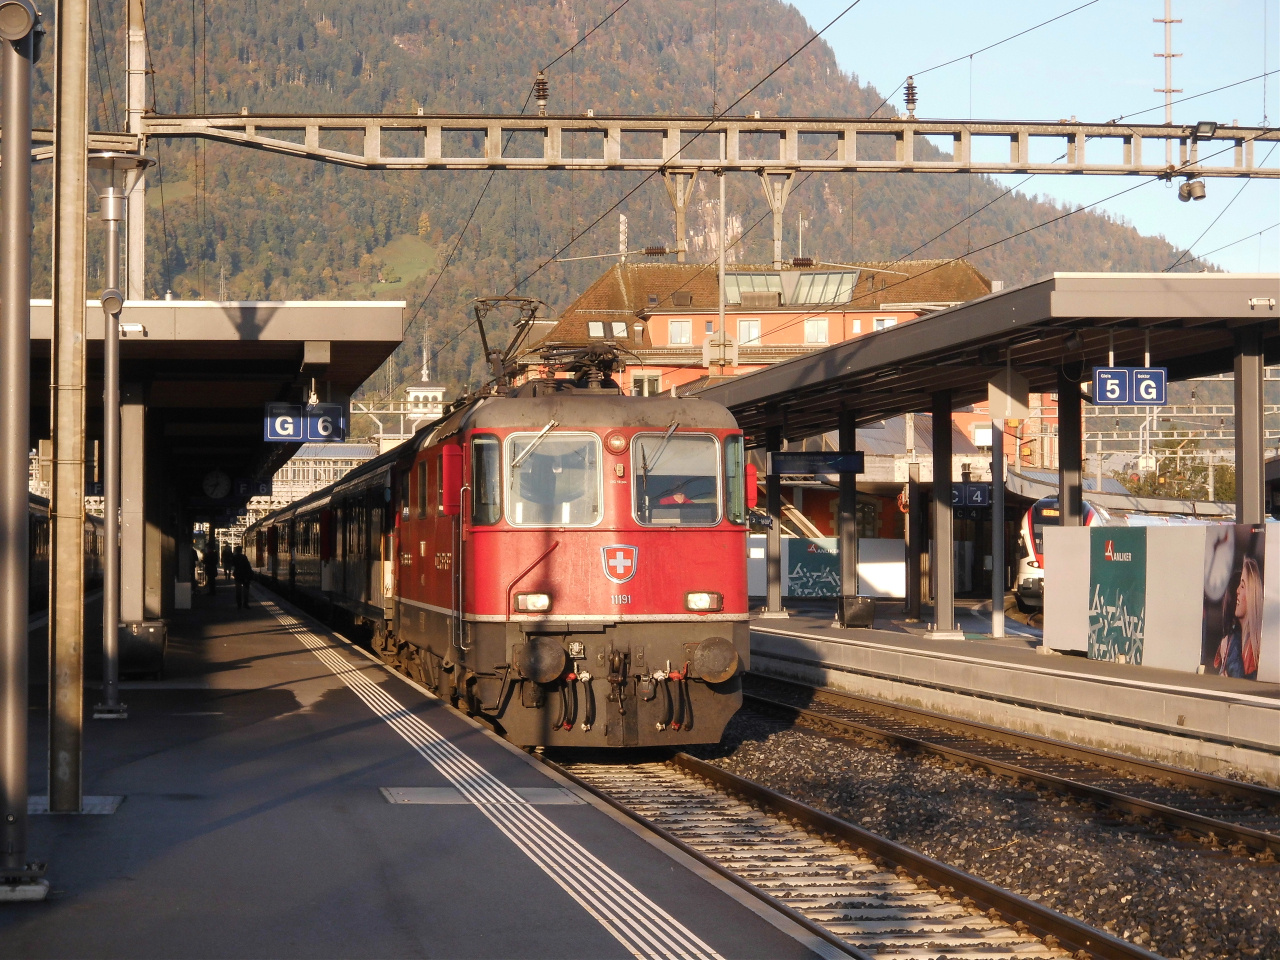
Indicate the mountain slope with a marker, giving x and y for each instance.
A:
(250, 225)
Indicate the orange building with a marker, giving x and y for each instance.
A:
(667, 316)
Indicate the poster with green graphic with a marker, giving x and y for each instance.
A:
(1117, 593)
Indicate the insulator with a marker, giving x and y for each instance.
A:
(803, 262)
(655, 251)
(541, 89)
(912, 99)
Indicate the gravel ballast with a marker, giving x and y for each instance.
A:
(1176, 899)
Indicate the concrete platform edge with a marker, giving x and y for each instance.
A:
(775, 918)
(918, 680)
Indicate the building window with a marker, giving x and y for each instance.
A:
(815, 330)
(825, 287)
(645, 386)
(736, 284)
(680, 331)
(619, 328)
(748, 331)
(884, 323)
(595, 329)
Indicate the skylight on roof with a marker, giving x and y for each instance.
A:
(736, 284)
(825, 288)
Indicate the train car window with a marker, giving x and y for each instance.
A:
(486, 480)
(735, 480)
(557, 484)
(677, 479)
(422, 488)
(404, 495)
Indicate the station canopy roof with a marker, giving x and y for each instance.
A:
(1063, 321)
(206, 369)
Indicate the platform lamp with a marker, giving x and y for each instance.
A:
(109, 172)
(19, 25)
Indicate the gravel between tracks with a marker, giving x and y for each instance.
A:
(1176, 899)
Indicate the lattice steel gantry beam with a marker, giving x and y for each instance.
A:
(691, 144)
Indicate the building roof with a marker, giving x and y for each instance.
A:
(630, 290)
(336, 451)
(1066, 321)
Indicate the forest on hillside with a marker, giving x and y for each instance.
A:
(231, 223)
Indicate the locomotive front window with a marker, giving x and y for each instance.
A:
(677, 479)
(556, 483)
(486, 481)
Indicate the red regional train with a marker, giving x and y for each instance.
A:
(561, 559)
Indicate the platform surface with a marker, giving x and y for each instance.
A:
(255, 824)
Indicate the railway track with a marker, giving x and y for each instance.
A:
(1242, 817)
(873, 897)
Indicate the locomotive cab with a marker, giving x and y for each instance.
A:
(572, 566)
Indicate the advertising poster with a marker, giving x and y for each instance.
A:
(813, 567)
(1117, 593)
(1233, 600)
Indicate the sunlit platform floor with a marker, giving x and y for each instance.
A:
(256, 821)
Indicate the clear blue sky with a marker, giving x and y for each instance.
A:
(1095, 64)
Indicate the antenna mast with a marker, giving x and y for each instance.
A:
(1168, 90)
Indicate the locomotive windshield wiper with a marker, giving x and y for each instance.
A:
(646, 466)
(524, 454)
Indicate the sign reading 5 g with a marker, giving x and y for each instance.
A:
(1130, 386)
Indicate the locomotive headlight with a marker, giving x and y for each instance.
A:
(706, 602)
(617, 443)
(533, 602)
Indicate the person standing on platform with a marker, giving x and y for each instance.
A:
(211, 567)
(242, 571)
(228, 561)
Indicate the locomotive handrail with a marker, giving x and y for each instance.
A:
(527, 570)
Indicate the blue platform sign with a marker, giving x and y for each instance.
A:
(977, 494)
(325, 423)
(1150, 386)
(1111, 386)
(1130, 386)
(812, 464)
(282, 423)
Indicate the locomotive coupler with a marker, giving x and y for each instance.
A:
(618, 680)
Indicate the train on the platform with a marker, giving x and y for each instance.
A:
(39, 548)
(561, 559)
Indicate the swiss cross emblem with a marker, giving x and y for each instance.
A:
(619, 561)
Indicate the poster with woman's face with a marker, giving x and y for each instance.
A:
(1233, 565)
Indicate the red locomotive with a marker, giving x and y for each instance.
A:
(561, 559)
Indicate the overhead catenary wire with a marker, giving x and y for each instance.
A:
(1182, 257)
(990, 46)
(545, 263)
(1256, 233)
(164, 220)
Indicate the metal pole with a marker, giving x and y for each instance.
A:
(1249, 383)
(136, 186)
(113, 202)
(720, 296)
(944, 600)
(1070, 493)
(915, 542)
(15, 394)
(67, 403)
(997, 528)
(773, 542)
(847, 529)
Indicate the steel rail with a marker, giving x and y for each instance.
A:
(1010, 907)
(1208, 827)
(790, 912)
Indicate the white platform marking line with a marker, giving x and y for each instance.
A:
(640, 925)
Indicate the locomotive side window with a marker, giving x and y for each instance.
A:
(677, 479)
(735, 480)
(422, 488)
(553, 479)
(486, 480)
